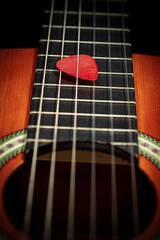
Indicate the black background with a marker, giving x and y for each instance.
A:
(20, 23)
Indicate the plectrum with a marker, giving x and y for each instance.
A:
(87, 67)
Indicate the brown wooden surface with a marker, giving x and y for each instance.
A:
(17, 67)
(147, 89)
(17, 73)
(16, 78)
(147, 85)
(153, 174)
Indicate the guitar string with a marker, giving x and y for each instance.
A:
(71, 206)
(114, 205)
(92, 230)
(29, 200)
(50, 195)
(135, 207)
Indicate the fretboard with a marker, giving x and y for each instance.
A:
(105, 108)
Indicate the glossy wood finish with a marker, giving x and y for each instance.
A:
(147, 90)
(17, 75)
(153, 174)
(17, 68)
(147, 85)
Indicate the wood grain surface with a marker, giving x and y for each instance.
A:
(147, 89)
(16, 80)
(17, 69)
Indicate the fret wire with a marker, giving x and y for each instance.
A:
(89, 28)
(135, 207)
(84, 86)
(112, 143)
(90, 13)
(116, 73)
(85, 100)
(103, 73)
(71, 206)
(48, 70)
(48, 217)
(29, 200)
(101, 58)
(88, 114)
(87, 42)
(85, 128)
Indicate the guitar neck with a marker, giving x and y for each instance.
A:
(103, 110)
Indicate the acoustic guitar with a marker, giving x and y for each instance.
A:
(91, 164)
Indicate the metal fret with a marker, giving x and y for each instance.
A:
(48, 70)
(88, 42)
(85, 100)
(84, 86)
(90, 13)
(103, 73)
(87, 114)
(85, 128)
(89, 28)
(42, 140)
(101, 58)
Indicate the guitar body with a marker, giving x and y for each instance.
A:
(17, 67)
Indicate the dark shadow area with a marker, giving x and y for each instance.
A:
(20, 24)
(16, 189)
(145, 19)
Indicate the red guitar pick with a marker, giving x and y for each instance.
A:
(87, 66)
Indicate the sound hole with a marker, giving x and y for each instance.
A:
(16, 192)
